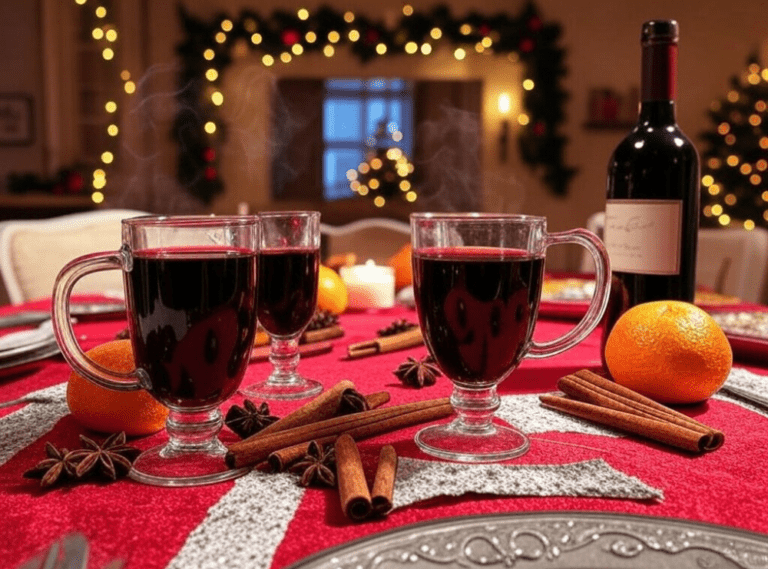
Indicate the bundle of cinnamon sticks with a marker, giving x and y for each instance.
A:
(595, 398)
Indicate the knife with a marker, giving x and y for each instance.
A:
(81, 311)
(753, 398)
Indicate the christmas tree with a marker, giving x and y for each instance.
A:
(734, 165)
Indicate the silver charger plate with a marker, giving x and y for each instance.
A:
(552, 540)
(20, 344)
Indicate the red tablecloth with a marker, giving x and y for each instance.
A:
(147, 526)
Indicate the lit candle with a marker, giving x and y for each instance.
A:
(369, 285)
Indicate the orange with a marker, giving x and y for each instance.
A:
(331, 291)
(670, 351)
(108, 411)
(401, 262)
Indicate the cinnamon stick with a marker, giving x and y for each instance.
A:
(384, 481)
(305, 350)
(323, 406)
(282, 458)
(358, 425)
(407, 339)
(350, 477)
(321, 334)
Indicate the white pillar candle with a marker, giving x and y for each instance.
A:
(369, 285)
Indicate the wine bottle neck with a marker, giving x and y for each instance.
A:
(658, 80)
(657, 113)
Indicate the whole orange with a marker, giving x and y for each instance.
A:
(108, 411)
(670, 351)
(401, 262)
(332, 293)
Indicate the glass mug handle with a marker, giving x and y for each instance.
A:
(591, 319)
(62, 324)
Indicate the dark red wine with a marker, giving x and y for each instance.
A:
(652, 207)
(287, 289)
(192, 319)
(477, 308)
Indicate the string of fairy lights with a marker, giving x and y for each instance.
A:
(735, 165)
(105, 33)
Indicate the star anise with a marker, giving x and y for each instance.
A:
(352, 401)
(112, 458)
(59, 466)
(418, 373)
(322, 319)
(249, 419)
(318, 466)
(401, 325)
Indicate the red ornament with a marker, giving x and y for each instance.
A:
(534, 24)
(209, 154)
(527, 45)
(484, 29)
(74, 182)
(210, 173)
(290, 36)
(371, 36)
(539, 128)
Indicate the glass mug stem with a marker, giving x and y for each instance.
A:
(284, 356)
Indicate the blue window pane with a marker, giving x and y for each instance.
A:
(336, 163)
(377, 84)
(396, 84)
(344, 84)
(395, 116)
(342, 119)
(376, 113)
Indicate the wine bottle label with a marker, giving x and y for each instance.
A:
(643, 236)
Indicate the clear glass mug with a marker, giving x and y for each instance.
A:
(477, 286)
(190, 290)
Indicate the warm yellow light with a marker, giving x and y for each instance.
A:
(707, 211)
(97, 197)
(753, 79)
(745, 169)
(436, 33)
(217, 98)
(486, 42)
(112, 130)
(749, 225)
(717, 209)
(730, 199)
(125, 75)
(465, 29)
(99, 173)
(111, 35)
(297, 49)
(303, 13)
(373, 184)
(411, 47)
(760, 106)
(765, 215)
(328, 51)
(379, 201)
(762, 164)
(397, 136)
(97, 33)
(220, 37)
(363, 190)
(459, 53)
(733, 96)
(285, 57)
(394, 153)
(381, 48)
(334, 36)
(363, 168)
(755, 120)
(528, 84)
(713, 190)
(723, 128)
(108, 53)
(256, 38)
(99, 183)
(730, 139)
(479, 47)
(353, 35)
(714, 163)
(707, 181)
(311, 37)
(724, 220)
(376, 163)
(504, 103)
(211, 74)
(349, 17)
(753, 68)
(755, 179)
(210, 127)
(351, 174)
(732, 160)
(405, 185)
(80, 2)
(107, 157)
(130, 87)
(764, 74)
(407, 10)
(268, 60)
(101, 12)
(226, 25)
(110, 106)
(426, 48)
(411, 196)
(764, 142)
(523, 119)
(209, 54)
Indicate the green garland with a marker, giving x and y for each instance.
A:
(531, 41)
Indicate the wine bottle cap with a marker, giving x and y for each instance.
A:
(659, 31)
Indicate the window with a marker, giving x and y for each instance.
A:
(354, 111)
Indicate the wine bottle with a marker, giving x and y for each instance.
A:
(652, 202)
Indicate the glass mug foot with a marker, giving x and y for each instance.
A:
(451, 442)
(295, 388)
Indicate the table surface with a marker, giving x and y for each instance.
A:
(273, 522)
